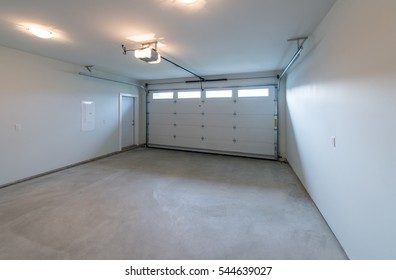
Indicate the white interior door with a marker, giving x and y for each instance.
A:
(127, 121)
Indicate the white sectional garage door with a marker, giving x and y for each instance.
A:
(230, 121)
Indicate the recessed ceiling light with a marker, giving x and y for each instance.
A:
(41, 33)
(188, 1)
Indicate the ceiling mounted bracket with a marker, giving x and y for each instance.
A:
(149, 44)
(125, 50)
(89, 68)
(300, 41)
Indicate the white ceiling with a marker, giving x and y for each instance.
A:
(211, 37)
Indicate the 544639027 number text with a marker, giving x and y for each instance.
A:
(263, 271)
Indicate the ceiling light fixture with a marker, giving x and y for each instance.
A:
(187, 1)
(41, 33)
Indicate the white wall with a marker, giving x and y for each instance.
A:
(345, 87)
(44, 96)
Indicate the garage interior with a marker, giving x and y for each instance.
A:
(208, 129)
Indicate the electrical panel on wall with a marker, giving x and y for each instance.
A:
(87, 116)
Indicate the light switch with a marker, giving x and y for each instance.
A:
(18, 127)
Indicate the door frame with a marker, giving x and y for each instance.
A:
(136, 116)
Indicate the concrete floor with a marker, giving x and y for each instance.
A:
(160, 204)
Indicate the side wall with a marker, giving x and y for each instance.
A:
(345, 87)
(43, 97)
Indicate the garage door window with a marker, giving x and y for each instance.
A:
(219, 94)
(163, 95)
(188, 94)
(257, 92)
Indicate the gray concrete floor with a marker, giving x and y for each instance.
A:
(160, 204)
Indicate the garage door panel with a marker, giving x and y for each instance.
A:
(255, 148)
(162, 119)
(219, 133)
(161, 129)
(162, 106)
(255, 121)
(162, 140)
(191, 131)
(219, 119)
(189, 119)
(254, 106)
(219, 145)
(217, 124)
(189, 106)
(254, 134)
(219, 106)
(189, 142)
